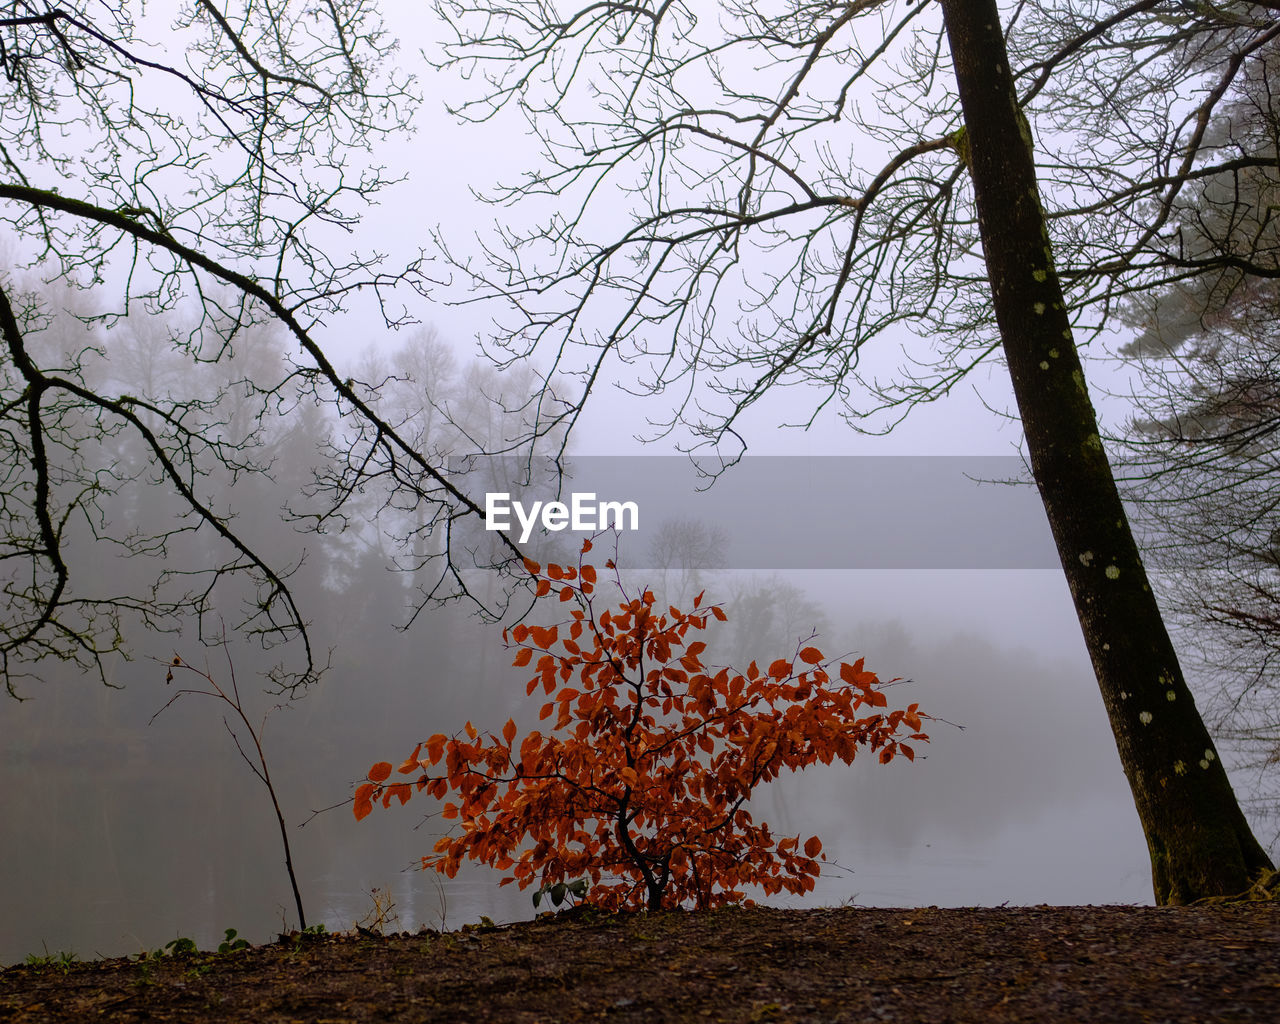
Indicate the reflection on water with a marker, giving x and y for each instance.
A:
(1038, 862)
(1089, 853)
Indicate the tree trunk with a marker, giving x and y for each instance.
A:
(1199, 841)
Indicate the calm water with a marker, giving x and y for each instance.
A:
(121, 835)
(101, 880)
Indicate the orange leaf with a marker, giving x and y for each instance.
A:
(544, 638)
(523, 657)
(586, 545)
(780, 669)
(381, 771)
(533, 567)
(509, 731)
(589, 571)
(811, 655)
(566, 594)
(543, 588)
(718, 612)
(812, 846)
(855, 676)
(399, 790)
(435, 747)
(411, 762)
(363, 802)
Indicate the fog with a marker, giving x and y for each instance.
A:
(123, 833)
(125, 829)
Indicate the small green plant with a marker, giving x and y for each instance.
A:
(232, 943)
(297, 939)
(62, 960)
(180, 947)
(561, 891)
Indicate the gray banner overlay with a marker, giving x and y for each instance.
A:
(785, 512)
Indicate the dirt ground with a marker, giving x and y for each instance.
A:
(1043, 964)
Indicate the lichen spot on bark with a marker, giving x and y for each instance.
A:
(1113, 572)
(1041, 276)
(1179, 767)
(1039, 308)
(1086, 558)
(1170, 696)
(1145, 717)
(1106, 647)
(1044, 364)
(1053, 353)
(1208, 755)
(1078, 377)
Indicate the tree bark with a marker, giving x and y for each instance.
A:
(1199, 841)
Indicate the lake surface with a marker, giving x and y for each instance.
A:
(121, 834)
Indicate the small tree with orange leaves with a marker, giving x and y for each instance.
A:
(641, 781)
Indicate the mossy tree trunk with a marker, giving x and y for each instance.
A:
(1199, 841)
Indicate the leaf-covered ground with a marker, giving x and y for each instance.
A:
(1042, 964)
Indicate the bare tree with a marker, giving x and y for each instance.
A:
(468, 418)
(745, 201)
(1200, 451)
(203, 172)
(681, 552)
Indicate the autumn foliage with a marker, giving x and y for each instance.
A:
(640, 779)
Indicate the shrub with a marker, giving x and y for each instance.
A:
(641, 780)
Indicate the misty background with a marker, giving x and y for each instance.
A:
(124, 830)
